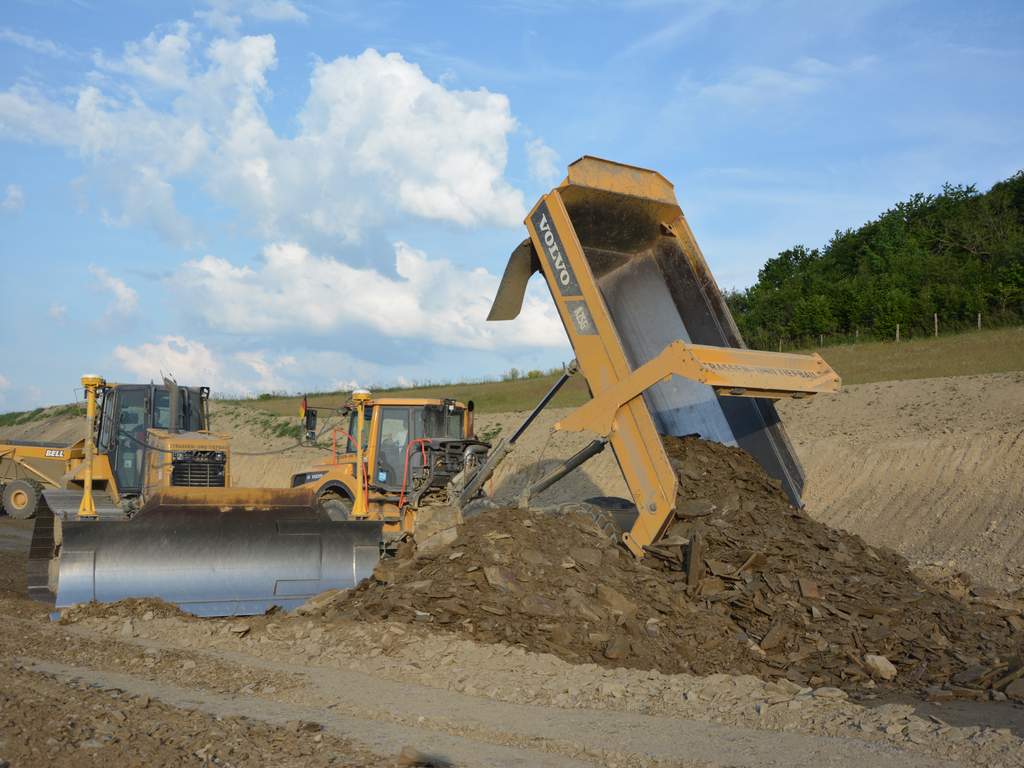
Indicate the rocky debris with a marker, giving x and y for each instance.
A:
(131, 610)
(879, 667)
(1015, 689)
(817, 601)
(69, 724)
(553, 584)
(767, 591)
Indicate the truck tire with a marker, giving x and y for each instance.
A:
(601, 517)
(21, 498)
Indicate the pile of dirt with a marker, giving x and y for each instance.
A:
(132, 607)
(819, 602)
(769, 592)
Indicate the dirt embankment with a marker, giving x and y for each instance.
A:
(771, 592)
(930, 468)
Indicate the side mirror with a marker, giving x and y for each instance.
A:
(310, 425)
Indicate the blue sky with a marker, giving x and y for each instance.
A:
(285, 195)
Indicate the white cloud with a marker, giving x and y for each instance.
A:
(276, 10)
(377, 140)
(271, 372)
(430, 299)
(58, 312)
(4, 382)
(226, 15)
(755, 86)
(14, 199)
(30, 43)
(543, 161)
(191, 363)
(124, 298)
(162, 61)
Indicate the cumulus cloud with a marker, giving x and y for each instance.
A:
(194, 363)
(162, 61)
(124, 299)
(543, 161)
(430, 299)
(189, 362)
(377, 140)
(14, 199)
(4, 382)
(58, 312)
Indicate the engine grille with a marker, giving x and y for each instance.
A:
(198, 474)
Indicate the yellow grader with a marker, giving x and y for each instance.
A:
(653, 338)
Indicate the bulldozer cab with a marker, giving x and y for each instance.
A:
(126, 414)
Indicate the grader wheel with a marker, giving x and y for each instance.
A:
(21, 498)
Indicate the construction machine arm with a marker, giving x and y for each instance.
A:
(729, 371)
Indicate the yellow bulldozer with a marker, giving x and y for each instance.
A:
(136, 448)
(653, 338)
(144, 506)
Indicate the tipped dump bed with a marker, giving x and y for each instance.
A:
(657, 288)
(628, 280)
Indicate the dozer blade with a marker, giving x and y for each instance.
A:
(216, 552)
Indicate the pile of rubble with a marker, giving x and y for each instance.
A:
(741, 583)
(820, 603)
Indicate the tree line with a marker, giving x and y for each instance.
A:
(956, 254)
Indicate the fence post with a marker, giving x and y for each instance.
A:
(780, 343)
(856, 335)
(821, 340)
(897, 333)
(935, 317)
(979, 321)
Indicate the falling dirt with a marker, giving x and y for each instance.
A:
(775, 593)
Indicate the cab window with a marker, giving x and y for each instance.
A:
(394, 437)
(353, 429)
(162, 408)
(131, 439)
(438, 421)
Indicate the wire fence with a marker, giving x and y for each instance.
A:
(901, 332)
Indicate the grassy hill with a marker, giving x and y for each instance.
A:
(991, 351)
(955, 254)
